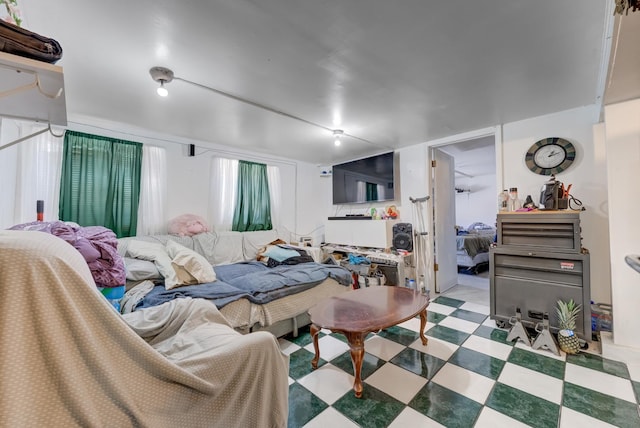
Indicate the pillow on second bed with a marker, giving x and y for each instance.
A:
(275, 255)
(279, 254)
(190, 267)
(156, 253)
(178, 264)
(139, 270)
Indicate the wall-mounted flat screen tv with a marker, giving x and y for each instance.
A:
(364, 180)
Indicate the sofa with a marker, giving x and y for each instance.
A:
(226, 250)
(71, 360)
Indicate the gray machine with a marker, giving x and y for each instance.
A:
(538, 261)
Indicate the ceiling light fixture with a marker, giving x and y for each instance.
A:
(337, 134)
(163, 75)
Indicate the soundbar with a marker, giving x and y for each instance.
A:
(352, 217)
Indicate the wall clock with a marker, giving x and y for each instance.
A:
(550, 156)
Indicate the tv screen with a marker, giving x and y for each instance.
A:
(364, 180)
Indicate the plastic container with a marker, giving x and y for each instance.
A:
(503, 200)
(113, 295)
(601, 317)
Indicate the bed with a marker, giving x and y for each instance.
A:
(472, 247)
(252, 295)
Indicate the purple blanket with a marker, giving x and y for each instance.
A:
(97, 244)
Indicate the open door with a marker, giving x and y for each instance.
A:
(444, 214)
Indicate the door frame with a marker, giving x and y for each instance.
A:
(496, 131)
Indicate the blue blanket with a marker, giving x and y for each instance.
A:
(253, 280)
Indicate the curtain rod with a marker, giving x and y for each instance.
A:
(264, 158)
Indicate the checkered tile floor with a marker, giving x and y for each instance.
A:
(468, 375)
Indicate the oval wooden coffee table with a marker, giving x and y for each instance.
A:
(367, 310)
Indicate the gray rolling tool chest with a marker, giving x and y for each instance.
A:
(539, 260)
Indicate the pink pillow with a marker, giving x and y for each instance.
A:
(187, 225)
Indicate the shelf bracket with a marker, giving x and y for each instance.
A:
(32, 85)
(26, 137)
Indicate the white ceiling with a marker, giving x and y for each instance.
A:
(473, 158)
(391, 73)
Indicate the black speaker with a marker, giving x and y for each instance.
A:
(403, 236)
(192, 150)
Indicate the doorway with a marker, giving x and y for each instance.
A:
(475, 190)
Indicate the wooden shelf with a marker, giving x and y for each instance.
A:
(32, 90)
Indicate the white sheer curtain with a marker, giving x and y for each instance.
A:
(153, 191)
(275, 194)
(222, 197)
(38, 176)
(381, 192)
(361, 191)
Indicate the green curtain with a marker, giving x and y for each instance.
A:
(100, 183)
(253, 209)
(372, 192)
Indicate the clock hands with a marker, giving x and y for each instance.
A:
(553, 153)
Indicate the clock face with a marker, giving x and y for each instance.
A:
(550, 156)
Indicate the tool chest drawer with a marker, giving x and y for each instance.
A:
(559, 268)
(533, 281)
(557, 231)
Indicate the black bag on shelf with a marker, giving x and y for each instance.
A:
(18, 41)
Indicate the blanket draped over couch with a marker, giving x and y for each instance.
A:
(68, 359)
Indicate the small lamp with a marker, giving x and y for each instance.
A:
(161, 75)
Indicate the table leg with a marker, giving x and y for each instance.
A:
(314, 330)
(356, 345)
(423, 324)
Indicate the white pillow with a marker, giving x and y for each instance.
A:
(190, 267)
(156, 253)
(138, 270)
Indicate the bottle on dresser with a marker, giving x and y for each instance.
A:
(514, 202)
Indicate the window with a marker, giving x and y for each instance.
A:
(244, 195)
(100, 184)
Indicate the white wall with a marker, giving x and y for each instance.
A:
(623, 161)
(587, 174)
(480, 203)
(313, 195)
(411, 181)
